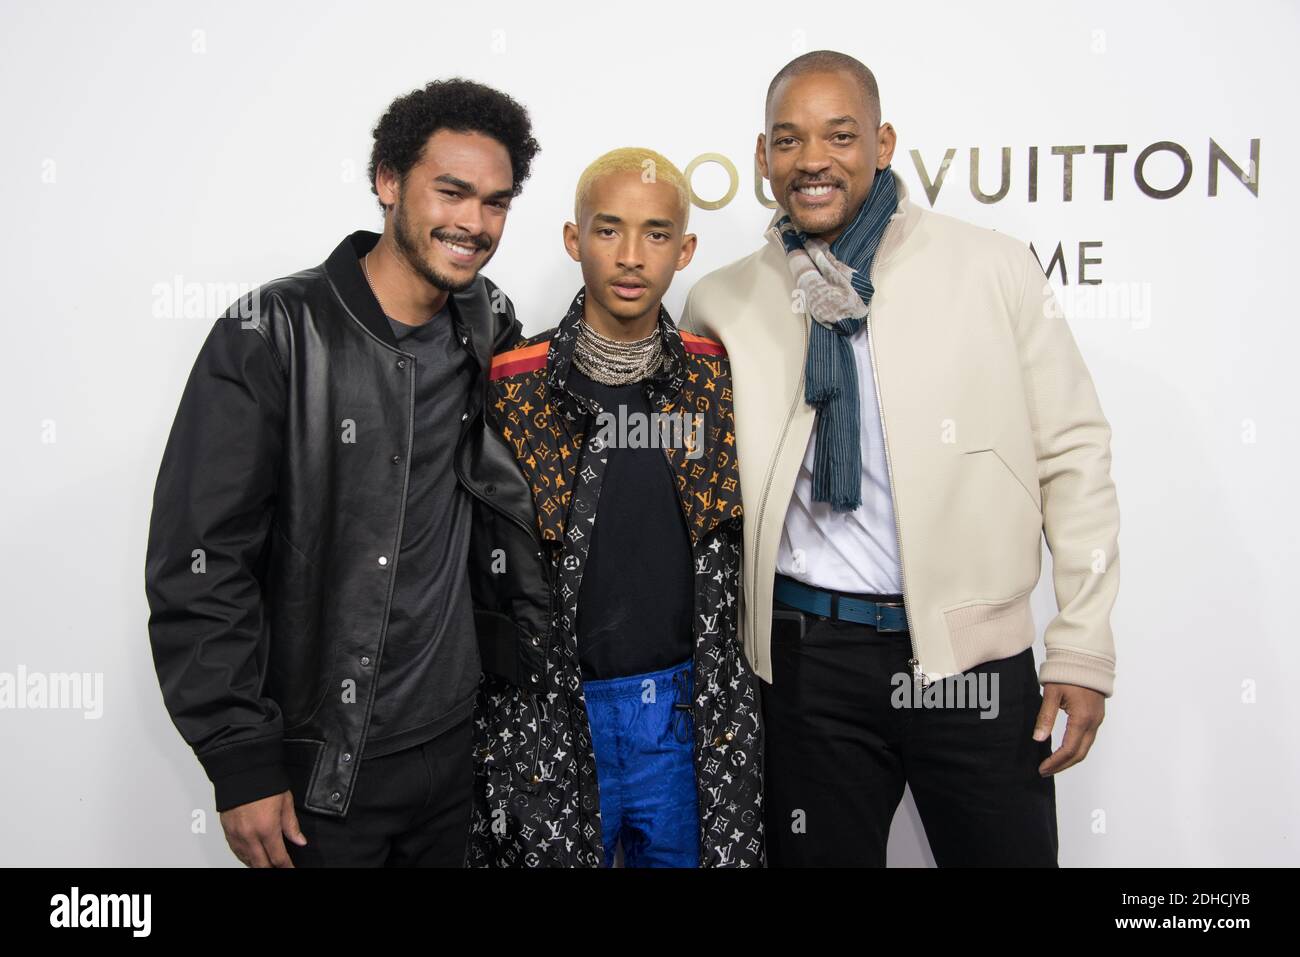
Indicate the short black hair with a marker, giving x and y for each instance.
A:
(459, 105)
(828, 61)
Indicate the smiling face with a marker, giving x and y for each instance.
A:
(821, 150)
(450, 209)
(630, 239)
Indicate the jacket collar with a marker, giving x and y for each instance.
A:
(469, 313)
(661, 389)
(901, 225)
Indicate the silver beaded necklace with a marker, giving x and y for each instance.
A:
(613, 362)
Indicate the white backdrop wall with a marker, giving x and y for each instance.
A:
(160, 154)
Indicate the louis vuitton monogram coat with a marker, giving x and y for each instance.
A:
(535, 473)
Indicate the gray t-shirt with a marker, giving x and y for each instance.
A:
(429, 667)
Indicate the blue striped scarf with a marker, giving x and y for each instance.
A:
(835, 285)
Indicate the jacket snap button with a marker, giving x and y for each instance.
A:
(464, 416)
(335, 796)
(401, 363)
(365, 660)
(464, 339)
(397, 460)
(383, 559)
(347, 758)
(536, 640)
(490, 488)
(534, 679)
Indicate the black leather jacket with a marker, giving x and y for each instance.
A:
(276, 524)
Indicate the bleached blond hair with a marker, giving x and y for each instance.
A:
(653, 167)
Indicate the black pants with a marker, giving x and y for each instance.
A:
(839, 751)
(410, 808)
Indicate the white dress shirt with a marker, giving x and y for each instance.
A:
(846, 551)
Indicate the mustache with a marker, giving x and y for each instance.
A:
(478, 242)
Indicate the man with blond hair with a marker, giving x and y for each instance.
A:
(616, 705)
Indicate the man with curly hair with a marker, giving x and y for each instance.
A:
(310, 617)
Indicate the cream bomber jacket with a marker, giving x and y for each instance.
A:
(993, 433)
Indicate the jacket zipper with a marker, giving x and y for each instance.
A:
(918, 674)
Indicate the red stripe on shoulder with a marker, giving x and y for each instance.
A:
(523, 359)
(699, 345)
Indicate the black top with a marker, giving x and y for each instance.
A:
(638, 588)
(429, 667)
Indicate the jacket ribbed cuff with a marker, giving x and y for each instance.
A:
(1067, 667)
(250, 785)
(245, 772)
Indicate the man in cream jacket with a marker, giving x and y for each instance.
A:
(912, 417)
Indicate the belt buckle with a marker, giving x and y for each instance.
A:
(887, 604)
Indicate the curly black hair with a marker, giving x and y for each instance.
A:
(456, 104)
